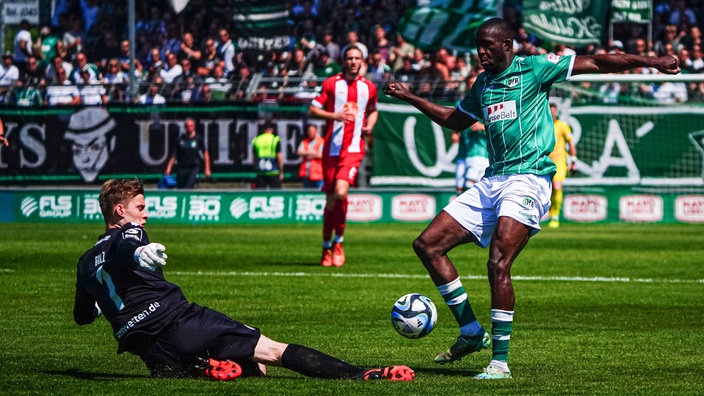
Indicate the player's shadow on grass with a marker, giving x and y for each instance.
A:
(93, 376)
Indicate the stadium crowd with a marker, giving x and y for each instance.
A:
(82, 56)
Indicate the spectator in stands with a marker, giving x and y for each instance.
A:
(353, 39)
(330, 45)
(697, 59)
(226, 50)
(46, 42)
(24, 94)
(62, 92)
(406, 73)
(419, 60)
(22, 44)
(188, 50)
(399, 52)
(219, 83)
(693, 37)
(296, 65)
(682, 14)
(92, 92)
(82, 65)
(116, 80)
(105, 48)
(323, 65)
(203, 94)
(172, 70)
(210, 57)
(152, 97)
(9, 73)
(156, 64)
(33, 73)
(74, 38)
(381, 43)
(378, 71)
(186, 84)
(56, 63)
(172, 42)
(124, 59)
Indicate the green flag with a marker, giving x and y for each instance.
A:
(261, 25)
(577, 23)
(451, 24)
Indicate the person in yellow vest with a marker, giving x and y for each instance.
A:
(311, 152)
(563, 138)
(268, 160)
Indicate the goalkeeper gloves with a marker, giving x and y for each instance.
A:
(150, 257)
(572, 164)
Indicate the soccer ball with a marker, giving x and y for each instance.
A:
(414, 315)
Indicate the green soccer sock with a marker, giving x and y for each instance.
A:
(501, 326)
(456, 299)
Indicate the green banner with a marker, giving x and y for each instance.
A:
(616, 145)
(218, 207)
(639, 11)
(446, 24)
(591, 204)
(576, 23)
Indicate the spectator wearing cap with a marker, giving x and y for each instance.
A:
(9, 73)
(62, 92)
(378, 69)
(22, 44)
(323, 65)
(268, 159)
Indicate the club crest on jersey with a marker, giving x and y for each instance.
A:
(512, 82)
(552, 58)
(528, 203)
(500, 112)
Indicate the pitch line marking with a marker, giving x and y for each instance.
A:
(412, 276)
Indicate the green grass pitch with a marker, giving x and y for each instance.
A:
(601, 309)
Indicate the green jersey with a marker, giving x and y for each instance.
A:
(515, 111)
(472, 144)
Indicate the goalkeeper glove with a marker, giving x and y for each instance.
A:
(151, 256)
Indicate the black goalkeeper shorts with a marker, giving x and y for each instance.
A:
(200, 332)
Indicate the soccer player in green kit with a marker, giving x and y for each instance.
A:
(504, 209)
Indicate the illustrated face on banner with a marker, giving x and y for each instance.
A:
(89, 131)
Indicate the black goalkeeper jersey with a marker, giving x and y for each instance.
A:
(133, 299)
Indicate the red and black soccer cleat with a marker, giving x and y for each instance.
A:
(391, 373)
(221, 370)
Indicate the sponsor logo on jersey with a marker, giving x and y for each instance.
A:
(133, 233)
(364, 207)
(552, 58)
(500, 112)
(512, 82)
(309, 207)
(690, 208)
(413, 207)
(267, 207)
(585, 208)
(641, 208)
(204, 208)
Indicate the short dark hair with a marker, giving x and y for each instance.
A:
(500, 25)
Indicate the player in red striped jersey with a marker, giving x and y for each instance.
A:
(348, 102)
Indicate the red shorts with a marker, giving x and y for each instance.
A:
(340, 168)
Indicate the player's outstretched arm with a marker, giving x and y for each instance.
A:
(615, 63)
(447, 117)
